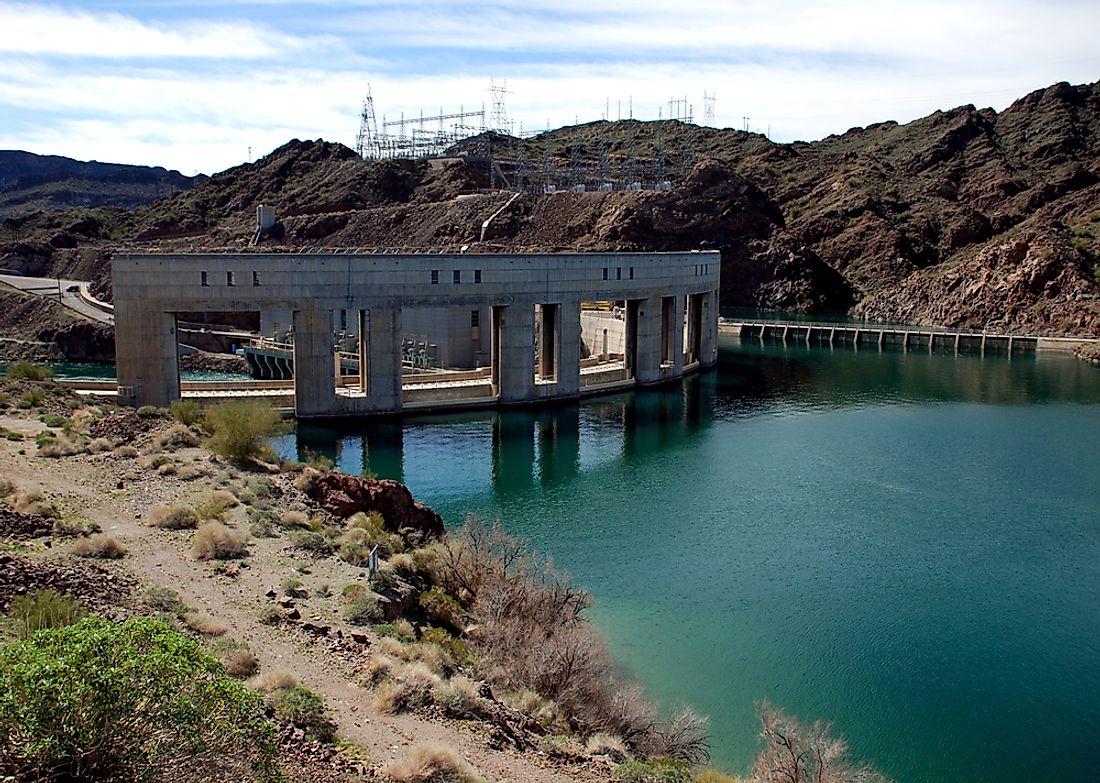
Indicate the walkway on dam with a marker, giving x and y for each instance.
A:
(906, 338)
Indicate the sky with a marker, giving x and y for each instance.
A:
(206, 85)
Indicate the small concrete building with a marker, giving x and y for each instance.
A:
(518, 313)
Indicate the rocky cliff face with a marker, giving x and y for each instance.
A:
(966, 217)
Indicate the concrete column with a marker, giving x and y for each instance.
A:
(674, 309)
(648, 351)
(314, 370)
(384, 359)
(363, 321)
(708, 337)
(569, 351)
(146, 355)
(514, 352)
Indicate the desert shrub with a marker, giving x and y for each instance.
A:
(31, 399)
(34, 503)
(604, 744)
(316, 460)
(682, 737)
(383, 579)
(204, 624)
(99, 545)
(148, 411)
(562, 745)
(304, 709)
(262, 524)
(168, 469)
(459, 694)
(240, 662)
(41, 609)
(99, 445)
(431, 763)
(238, 429)
(655, 771)
(455, 648)
(215, 541)
(401, 630)
(443, 609)
(269, 615)
(294, 519)
(151, 705)
(186, 412)
(26, 371)
(273, 681)
(796, 751)
(292, 586)
(214, 507)
(363, 610)
(53, 420)
(324, 591)
(177, 436)
(409, 687)
(163, 599)
(7, 487)
(175, 517)
(60, 446)
(313, 543)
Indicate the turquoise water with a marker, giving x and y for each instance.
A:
(93, 371)
(907, 545)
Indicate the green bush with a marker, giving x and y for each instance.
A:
(31, 398)
(148, 411)
(314, 543)
(457, 648)
(238, 428)
(43, 609)
(26, 371)
(186, 412)
(443, 610)
(656, 771)
(363, 610)
(304, 709)
(53, 420)
(127, 702)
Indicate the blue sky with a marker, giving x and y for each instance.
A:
(194, 86)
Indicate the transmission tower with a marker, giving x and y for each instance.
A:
(708, 109)
(367, 142)
(498, 121)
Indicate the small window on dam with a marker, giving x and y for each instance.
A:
(204, 279)
(230, 278)
(255, 278)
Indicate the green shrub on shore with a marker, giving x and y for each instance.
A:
(152, 705)
(238, 429)
(656, 771)
(27, 371)
(304, 709)
(186, 412)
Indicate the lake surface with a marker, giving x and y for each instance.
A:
(907, 545)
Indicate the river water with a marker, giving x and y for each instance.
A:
(907, 545)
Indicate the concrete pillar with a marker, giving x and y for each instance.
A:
(146, 355)
(674, 330)
(648, 350)
(384, 358)
(314, 370)
(695, 326)
(569, 348)
(514, 352)
(708, 342)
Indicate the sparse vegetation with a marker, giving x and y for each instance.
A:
(304, 709)
(99, 545)
(186, 412)
(432, 763)
(27, 371)
(238, 429)
(41, 609)
(204, 624)
(215, 541)
(150, 702)
(175, 517)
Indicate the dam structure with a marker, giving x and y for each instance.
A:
(663, 307)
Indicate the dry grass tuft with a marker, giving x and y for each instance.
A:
(225, 498)
(215, 541)
(33, 503)
(204, 624)
(603, 744)
(100, 445)
(431, 763)
(175, 517)
(240, 662)
(294, 519)
(7, 487)
(99, 545)
(125, 452)
(379, 667)
(177, 436)
(272, 682)
(410, 686)
(60, 446)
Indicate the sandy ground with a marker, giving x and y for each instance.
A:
(118, 495)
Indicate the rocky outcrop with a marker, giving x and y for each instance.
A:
(344, 495)
(92, 584)
(203, 361)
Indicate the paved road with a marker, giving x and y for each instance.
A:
(58, 290)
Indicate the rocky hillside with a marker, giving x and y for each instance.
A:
(967, 217)
(32, 183)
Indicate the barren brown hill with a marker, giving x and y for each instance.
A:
(967, 217)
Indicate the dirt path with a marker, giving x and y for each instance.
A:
(118, 495)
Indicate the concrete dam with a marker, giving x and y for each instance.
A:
(531, 333)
